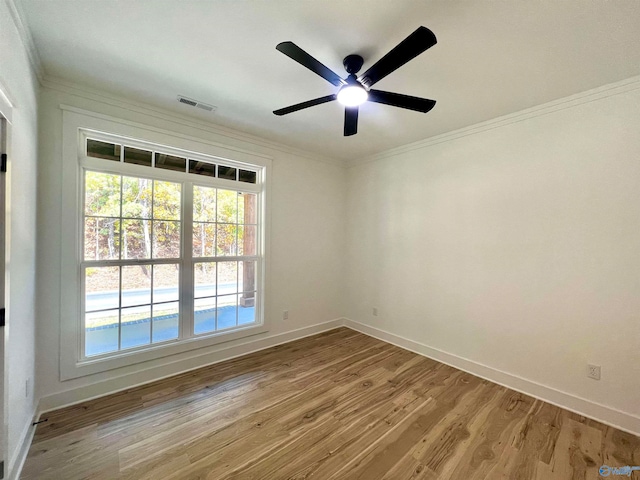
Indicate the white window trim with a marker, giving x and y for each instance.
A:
(76, 123)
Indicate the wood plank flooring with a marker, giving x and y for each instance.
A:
(339, 405)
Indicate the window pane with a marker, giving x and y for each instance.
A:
(204, 204)
(247, 239)
(102, 194)
(136, 197)
(136, 241)
(137, 156)
(166, 283)
(247, 176)
(228, 173)
(204, 239)
(247, 208)
(227, 206)
(226, 241)
(102, 287)
(136, 326)
(205, 315)
(202, 168)
(247, 276)
(136, 285)
(166, 239)
(227, 311)
(108, 151)
(165, 321)
(91, 239)
(205, 279)
(101, 332)
(101, 238)
(166, 201)
(169, 162)
(246, 308)
(227, 277)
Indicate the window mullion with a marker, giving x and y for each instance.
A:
(187, 293)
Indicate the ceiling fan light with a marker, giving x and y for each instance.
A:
(352, 95)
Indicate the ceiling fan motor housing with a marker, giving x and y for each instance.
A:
(353, 63)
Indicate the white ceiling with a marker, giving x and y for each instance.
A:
(493, 57)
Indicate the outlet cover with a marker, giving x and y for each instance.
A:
(593, 371)
(285, 315)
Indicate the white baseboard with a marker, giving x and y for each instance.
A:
(15, 464)
(602, 413)
(125, 382)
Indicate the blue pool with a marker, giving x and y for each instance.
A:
(105, 338)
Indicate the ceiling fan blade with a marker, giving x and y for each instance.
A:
(294, 52)
(307, 104)
(409, 48)
(350, 121)
(403, 101)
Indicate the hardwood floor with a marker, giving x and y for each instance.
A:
(339, 405)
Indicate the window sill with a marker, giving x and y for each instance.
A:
(91, 366)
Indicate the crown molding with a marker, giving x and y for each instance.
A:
(18, 16)
(605, 91)
(66, 86)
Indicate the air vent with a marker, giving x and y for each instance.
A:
(188, 102)
(195, 103)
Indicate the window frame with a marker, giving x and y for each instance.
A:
(77, 127)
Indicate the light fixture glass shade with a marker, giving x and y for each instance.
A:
(352, 95)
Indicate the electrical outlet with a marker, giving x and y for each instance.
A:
(374, 310)
(593, 371)
(27, 387)
(285, 315)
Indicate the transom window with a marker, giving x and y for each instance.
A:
(140, 156)
(171, 246)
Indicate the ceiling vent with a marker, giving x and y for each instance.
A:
(195, 103)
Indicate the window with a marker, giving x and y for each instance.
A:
(224, 225)
(171, 251)
(132, 261)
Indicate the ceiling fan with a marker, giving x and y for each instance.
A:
(356, 90)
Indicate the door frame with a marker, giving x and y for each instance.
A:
(6, 109)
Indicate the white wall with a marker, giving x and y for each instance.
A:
(516, 247)
(307, 199)
(17, 79)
